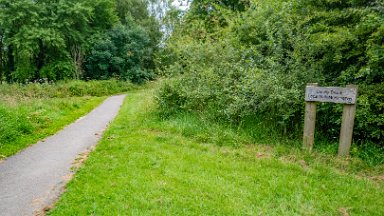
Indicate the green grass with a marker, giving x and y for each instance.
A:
(24, 123)
(32, 112)
(185, 166)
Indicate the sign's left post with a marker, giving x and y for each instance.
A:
(309, 122)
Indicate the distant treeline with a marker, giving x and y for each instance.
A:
(249, 60)
(66, 39)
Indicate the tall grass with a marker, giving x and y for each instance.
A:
(64, 89)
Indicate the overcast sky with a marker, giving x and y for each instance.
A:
(181, 4)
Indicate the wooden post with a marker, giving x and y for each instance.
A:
(346, 132)
(309, 123)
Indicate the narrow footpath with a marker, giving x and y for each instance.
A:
(33, 179)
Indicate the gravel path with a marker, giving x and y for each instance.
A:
(33, 179)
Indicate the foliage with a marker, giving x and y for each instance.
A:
(53, 39)
(253, 62)
(123, 52)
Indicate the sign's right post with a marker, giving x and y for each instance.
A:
(347, 123)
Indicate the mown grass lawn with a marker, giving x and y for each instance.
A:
(148, 166)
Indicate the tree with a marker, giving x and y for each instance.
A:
(51, 39)
(124, 52)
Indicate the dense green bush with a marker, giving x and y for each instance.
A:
(255, 62)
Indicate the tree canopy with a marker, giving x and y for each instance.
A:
(56, 39)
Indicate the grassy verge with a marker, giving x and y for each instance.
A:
(32, 112)
(182, 166)
(24, 123)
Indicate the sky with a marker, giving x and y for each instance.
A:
(181, 4)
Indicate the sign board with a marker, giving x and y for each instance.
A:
(331, 94)
(346, 96)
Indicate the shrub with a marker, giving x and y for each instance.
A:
(258, 63)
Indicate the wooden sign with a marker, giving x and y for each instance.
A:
(331, 94)
(346, 96)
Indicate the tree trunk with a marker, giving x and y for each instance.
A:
(78, 58)
(11, 64)
(40, 59)
(1, 60)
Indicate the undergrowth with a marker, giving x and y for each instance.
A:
(363, 158)
(62, 89)
(181, 96)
